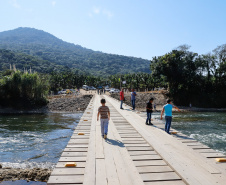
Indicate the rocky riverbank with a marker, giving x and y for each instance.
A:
(69, 103)
(56, 104)
(13, 174)
(143, 98)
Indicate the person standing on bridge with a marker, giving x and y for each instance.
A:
(149, 109)
(133, 98)
(104, 114)
(122, 98)
(168, 114)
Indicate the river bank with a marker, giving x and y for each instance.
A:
(160, 100)
(57, 104)
(14, 174)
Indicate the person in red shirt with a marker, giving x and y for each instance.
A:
(122, 97)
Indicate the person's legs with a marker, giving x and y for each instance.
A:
(133, 104)
(121, 104)
(106, 126)
(168, 123)
(102, 126)
(148, 118)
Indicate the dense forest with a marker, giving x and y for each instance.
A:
(193, 78)
(51, 51)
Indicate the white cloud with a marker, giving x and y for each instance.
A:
(53, 3)
(15, 4)
(96, 10)
(100, 11)
(108, 13)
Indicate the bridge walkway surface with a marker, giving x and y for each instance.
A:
(134, 153)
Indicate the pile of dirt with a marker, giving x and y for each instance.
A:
(69, 104)
(35, 174)
(160, 99)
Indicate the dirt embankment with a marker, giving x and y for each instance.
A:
(142, 99)
(35, 174)
(69, 103)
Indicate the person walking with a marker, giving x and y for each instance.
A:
(149, 109)
(122, 98)
(104, 114)
(168, 114)
(133, 98)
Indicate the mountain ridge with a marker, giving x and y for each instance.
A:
(47, 47)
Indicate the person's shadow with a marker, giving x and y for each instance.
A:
(114, 142)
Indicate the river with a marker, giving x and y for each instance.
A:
(36, 140)
(207, 127)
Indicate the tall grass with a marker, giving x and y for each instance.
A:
(23, 89)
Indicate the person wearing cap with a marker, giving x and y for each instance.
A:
(149, 109)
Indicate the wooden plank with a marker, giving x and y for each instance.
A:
(73, 154)
(159, 176)
(135, 142)
(77, 179)
(137, 145)
(90, 169)
(76, 149)
(72, 159)
(111, 169)
(139, 148)
(145, 157)
(80, 141)
(154, 169)
(214, 155)
(132, 139)
(127, 172)
(177, 182)
(68, 171)
(101, 178)
(99, 144)
(132, 153)
(79, 165)
(150, 163)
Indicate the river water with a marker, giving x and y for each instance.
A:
(207, 127)
(37, 140)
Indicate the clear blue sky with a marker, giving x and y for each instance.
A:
(140, 28)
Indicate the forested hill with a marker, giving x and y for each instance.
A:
(48, 48)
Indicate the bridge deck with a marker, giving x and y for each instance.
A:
(134, 153)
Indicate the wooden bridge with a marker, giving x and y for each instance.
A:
(134, 153)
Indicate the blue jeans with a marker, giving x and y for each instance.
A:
(168, 123)
(133, 104)
(148, 118)
(121, 104)
(104, 126)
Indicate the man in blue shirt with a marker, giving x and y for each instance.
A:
(168, 114)
(133, 98)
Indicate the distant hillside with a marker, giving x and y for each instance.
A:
(23, 61)
(47, 47)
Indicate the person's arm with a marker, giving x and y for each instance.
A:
(109, 115)
(162, 112)
(98, 114)
(176, 108)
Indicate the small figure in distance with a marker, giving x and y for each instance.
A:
(122, 98)
(155, 106)
(104, 114)
(168, 114)
(133, 98)
(149, 109)
(190, 105)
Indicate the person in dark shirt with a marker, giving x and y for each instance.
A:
(149, 111)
